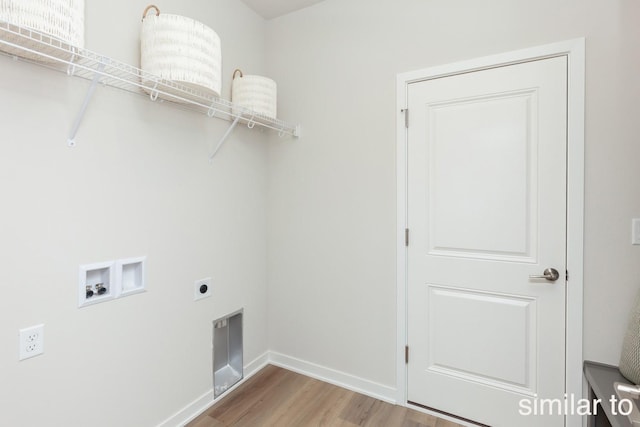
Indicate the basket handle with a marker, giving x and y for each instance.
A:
(148, 8)
(237, 70)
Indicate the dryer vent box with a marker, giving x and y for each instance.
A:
(227, 352)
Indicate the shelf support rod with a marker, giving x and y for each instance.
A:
(224, 138)
(83, 109)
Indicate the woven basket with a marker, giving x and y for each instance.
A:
(180, 50)
(62, 20)
(256, 93)
(630, 355)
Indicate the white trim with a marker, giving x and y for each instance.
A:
(309, 369)
(574, 50)
(575, 225)
(440, 415)
(401, 249)
(331, 376)
(204, 402)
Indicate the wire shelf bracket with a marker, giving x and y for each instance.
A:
(41, 49)
(83, 109)
(224, 138)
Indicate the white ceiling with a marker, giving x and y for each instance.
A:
(269, 9)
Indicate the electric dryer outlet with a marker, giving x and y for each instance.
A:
(202, 289)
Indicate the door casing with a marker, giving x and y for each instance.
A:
(574, 50)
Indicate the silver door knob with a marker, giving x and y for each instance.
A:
(550, 274)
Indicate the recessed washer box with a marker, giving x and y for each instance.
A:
(96, 282)
(105, 281)
(131, 275)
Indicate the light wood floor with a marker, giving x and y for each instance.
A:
(278, 397)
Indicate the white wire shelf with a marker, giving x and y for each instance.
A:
(44, 50)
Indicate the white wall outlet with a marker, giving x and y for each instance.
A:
(31, 341)
(202, 289)
(635, 231)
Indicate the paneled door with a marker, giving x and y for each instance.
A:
(487, 167)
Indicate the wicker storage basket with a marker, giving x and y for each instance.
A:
(62, 20)
(256, 93)
(181, 50)
(630, 356)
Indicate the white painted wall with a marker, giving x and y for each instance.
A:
(138, 183)
(332, 195)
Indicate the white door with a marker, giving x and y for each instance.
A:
(487, 210)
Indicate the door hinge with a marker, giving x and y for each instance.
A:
(566, 275)
(406, 117)
(406, 237)
(406, 354)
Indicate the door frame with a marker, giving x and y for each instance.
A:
(574, 50)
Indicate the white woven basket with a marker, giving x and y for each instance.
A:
(62, 20)
(630, 355)
(181, 50)
(256, 93)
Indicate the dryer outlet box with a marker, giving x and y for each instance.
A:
(202, 289)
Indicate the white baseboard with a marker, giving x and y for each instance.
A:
(322, 373)
(201, 404)
(441, 415)
(190, 412)
(332, 376)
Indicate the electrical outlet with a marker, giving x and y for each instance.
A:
(31, 341)
(202, 289)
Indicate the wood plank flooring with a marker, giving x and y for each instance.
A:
(279, 397)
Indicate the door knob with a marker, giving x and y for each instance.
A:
(550, 274)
